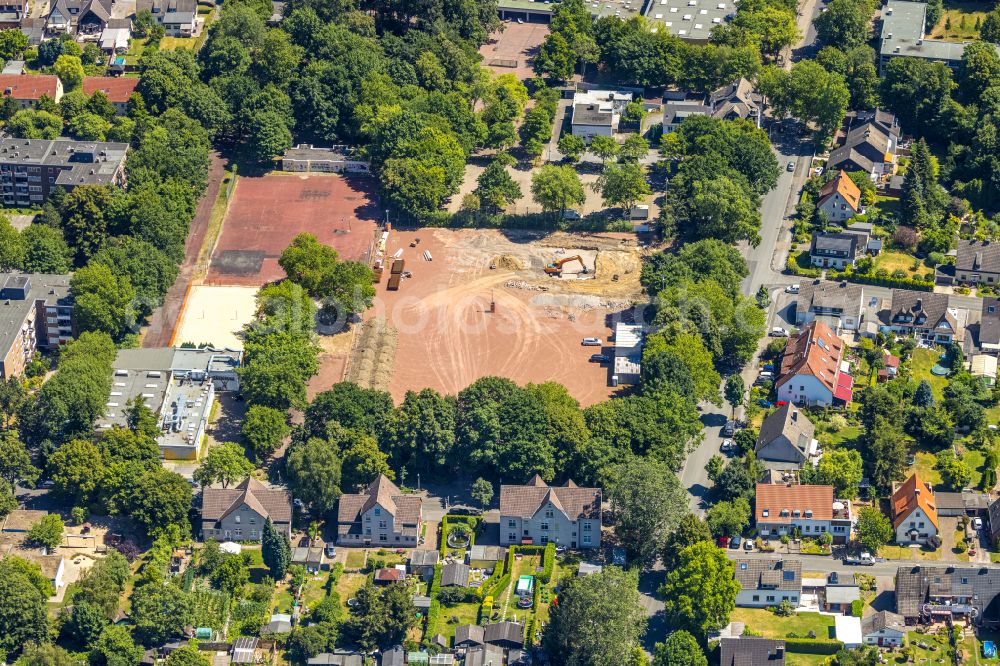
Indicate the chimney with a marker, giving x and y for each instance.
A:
(916, 491)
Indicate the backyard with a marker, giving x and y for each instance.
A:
(769, 625)
(920, 368)
(959, 20)
(893, 260)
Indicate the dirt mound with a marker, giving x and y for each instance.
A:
(508, 262)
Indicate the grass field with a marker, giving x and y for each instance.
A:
(800, 659)
(892, 260)
(355, 559)
(769, 625)
(829, 437)
(920, 368)
(924, 467)
(958, 21)
(452, 617)
(907, 553)
(888, 205)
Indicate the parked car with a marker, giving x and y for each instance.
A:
(727, 445)
(977, 523)
(792, 289)
(729, 429)
(735, 541)
(591, 342)
(779, 332)
(748, 544)
(723, 542)
(331, 551)
(790, 166)
(600, 358)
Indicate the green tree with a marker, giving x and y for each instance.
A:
(612, 595)
(225, 463)
(924, 395)
(680, 649)
(690, 530)
(189, 655)
(572, 147)
(555, 57)
(422, 431)
(955, 472)
(482, 492)
(47, 532)
(269, 135)
(69, 69)
(30, 124)
(604, 147)
(735, 390)
(89, 127)
(842, 469)
(990, 28)
(845, 23)
(363, 460)
(72, 470)
(622, 185)
(495, 187)
(232, 575)
(700, 592)
(873, 529)
(556, 188)
(648, 502)
(264, 428)
(23, 614)
(12, 43)
(115, 647)
(381, 618)
(15, 461)
(161, 499)
(314, 470)
(11, 244)
(160, 612)
(85, 622)
(729, 518)
(45, 654)
(45, 250)
(275, 550)
(719, 208)
(103, 301)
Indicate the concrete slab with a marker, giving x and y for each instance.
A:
(216, 315)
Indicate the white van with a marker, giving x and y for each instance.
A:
(591, 342)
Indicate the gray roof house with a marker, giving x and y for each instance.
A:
(870, 147)
(484, 655)
(85, 17)
(394, 657)
(977, 262)
(737, 100)
(309, 557)
(505, 634)
(838, 250)
(926, 315)
(766, 583)
(786, 439)
(838, 304)
(468, 635)
(381, 514)
(422, 562)
(455, 574)
(883, 628)
(940, 593)
(537, 513)
(751, 651)
(178, 17)
(239, 512)
(337, 658)
(989, 326)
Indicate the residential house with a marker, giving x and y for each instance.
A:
(27, 89)
(455, 574)
(82, 17)
(904, 25)
(884, 629)
(810, 371)
(506, 634)
(679, 105)
(924, 315)
(738, 100)
(118, 89)
(36, 312)
(836, 250)
(239, 513)
(11, 13)
(767, 583)
(914, 513)
(808, 510)
(977, 262)
(537, 514)
(422, 562)
(751, 651)
(598, 112)
(945, 593)
(839, 598)
(306, 158)
(786, 440)
(870, 147)
(840, 198)
(31, 168)
(393, 657)
(179, 18)
(838, 304)
(34, 29)
(989, 326)
(115, 36)
(380, 515)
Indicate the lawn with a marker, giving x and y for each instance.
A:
(356, 559)
(892, 260)
(920, 368)
(801, 659)
(349, 584)
(908, 553)
(951, 25)
(975, 459)
(924, 467)
(936, 652)
(769, 625)
(888, 205)
(452, 617)
(830, 438)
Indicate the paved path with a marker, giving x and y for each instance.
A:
(164, 318)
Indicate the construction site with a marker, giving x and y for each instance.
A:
(456, 305)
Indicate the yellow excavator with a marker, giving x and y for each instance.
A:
(555, 268)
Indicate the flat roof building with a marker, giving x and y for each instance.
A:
(628, 353)
(692, 20)
(540, 11)
(31, 168)
(335, 159)
(178, 385)
(36, 312)
(904, 25)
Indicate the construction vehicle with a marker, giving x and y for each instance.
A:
(555, 268)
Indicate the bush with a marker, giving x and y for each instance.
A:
(857, 607)
(456, 595)
(433, 614)
(548, 562)
(499, 587)
(881, 278)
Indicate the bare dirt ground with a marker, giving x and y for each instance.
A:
(332, 362)
(448, 332)
(518, 43)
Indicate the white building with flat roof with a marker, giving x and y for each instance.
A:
(691, 20)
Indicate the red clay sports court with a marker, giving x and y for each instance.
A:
(267, 212)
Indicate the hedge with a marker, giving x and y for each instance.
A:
(435, 582)
(857, 607)
(485, 610)
(548, 562)
(868, 278)
(498, 589)
(433, 613)
(529, 633)
(812, 646)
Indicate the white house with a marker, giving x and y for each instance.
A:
(914, 512)
(840, 199)
(598, 112)
(810, 371)
(766, 583)
(884, 629)
(537, 513)
(804, 509)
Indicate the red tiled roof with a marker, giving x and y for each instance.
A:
(843, 185)
(908, 497)
(775, 498)
(29, 86)
(815, 351)
(117, 88)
